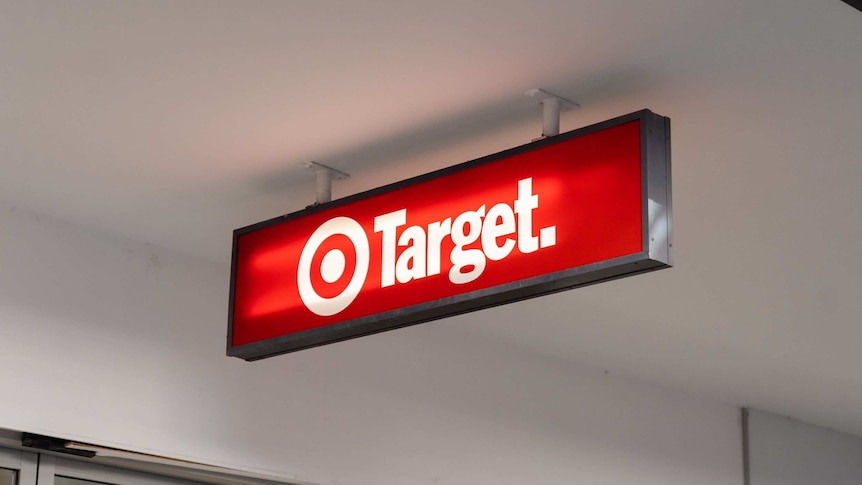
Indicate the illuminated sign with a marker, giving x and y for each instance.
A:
(574, 209)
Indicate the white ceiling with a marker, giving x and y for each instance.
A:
(176, 122)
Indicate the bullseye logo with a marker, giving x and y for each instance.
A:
(332, 267)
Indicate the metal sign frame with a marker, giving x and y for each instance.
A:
(655, 250)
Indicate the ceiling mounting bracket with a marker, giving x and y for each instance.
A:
(324, 176)
(552, 104)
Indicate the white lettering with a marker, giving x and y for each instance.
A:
(411, 263)
(437, 231)
(387, 224)
(491, 230)
(477, 236)
(524, 205)
(466, 258)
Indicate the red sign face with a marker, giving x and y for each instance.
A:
(558, 213)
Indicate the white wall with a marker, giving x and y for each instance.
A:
(122, 344)
(783, 451)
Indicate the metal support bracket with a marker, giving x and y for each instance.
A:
(552, 104)
(324, 176)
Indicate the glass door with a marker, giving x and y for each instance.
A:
(29, 468)
(63, 471)
(8, 477)
(75, 481)
(17, 467)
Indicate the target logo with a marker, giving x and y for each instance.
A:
(329, 279)
(322, 278)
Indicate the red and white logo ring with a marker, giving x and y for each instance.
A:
(333, 266)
